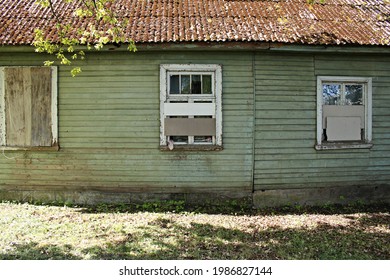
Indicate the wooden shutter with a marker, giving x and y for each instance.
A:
(27, 96)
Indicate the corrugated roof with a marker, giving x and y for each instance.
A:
(354, 22)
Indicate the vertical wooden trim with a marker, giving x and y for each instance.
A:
(253, 162)
(319, 111)
(368, 111)
(218, 104)
(163, 98)
(54, 105)
(2, 108)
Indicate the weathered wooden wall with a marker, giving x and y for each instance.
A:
(285, 129)
(109, 128)
(109, 131)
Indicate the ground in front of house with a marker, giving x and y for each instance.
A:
(152, 231)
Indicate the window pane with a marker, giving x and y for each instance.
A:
(179, 139)
(206, 79)
(203, 139)
(185, 84)
(354, 95)
(174, 84)
(177, 101)
(196, 86)
(331, 94)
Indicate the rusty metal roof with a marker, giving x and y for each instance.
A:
(337, 22)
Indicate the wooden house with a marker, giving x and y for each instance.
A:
(275, 102)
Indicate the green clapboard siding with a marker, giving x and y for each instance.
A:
(109, 130)
(285, 124)
(109, 122)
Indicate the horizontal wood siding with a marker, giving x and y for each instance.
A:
(109, 130)
(109, 127)
(285, 129)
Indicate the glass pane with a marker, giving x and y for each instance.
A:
(196, 86)
(331, 94)
(203, 139)
(206, 79)
(185, 84)
(177, 101)
(179, 139)
(354, 95)
(174, 84)
(203, 101)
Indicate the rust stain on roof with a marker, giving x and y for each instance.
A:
(337, 22)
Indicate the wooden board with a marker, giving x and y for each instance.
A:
(189, 127)
(17, 91)
(41, 106)
(27, 97)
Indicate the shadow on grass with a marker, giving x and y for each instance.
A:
(232, 208)
(34, 251)
(165, 239)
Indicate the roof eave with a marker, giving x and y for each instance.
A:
(217, 46)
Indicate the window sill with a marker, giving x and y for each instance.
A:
(192, 148)
(33, 149)
(343, 145)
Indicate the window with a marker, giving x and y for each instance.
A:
(190, 106)
(28, 107)
(343, 112)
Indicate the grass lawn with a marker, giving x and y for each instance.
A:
(154, 232)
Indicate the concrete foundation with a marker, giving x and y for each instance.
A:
(97, 197)
(322, 196)
(258, 199)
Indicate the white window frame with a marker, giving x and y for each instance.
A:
(215, 71)
(54, 112)
(367, 102)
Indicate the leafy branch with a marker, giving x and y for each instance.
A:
(103, 27)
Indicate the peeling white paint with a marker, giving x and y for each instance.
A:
(54, 105)
(2, 109)
(191, 109)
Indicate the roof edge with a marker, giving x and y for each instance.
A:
(217, 46)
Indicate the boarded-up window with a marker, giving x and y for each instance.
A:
(343, 111)
(28, 107)
(190, 104)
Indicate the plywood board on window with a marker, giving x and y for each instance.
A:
(342, 111)
(193, 127)
(343, 128)
(27, 97)
(17, 91)
(189, 109)
(41, 107)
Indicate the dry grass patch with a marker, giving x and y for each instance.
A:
(121, 232)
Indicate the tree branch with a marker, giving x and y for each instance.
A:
(94, 3)
(51, 6)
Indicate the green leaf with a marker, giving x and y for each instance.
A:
(48, 63)
(75, 71)
(98, 14)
